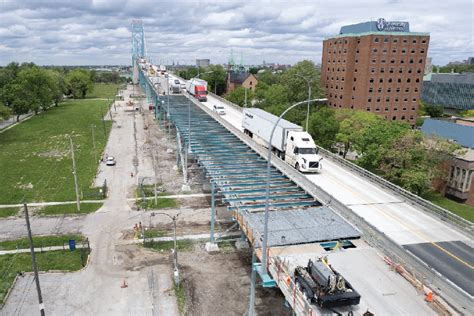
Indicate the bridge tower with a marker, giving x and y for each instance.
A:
(138, 46)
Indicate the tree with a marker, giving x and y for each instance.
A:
(16, 100)
(238, 96)
(79, 83)
(216, 77)
(433, 110)
(351, 126)
(188, 73)
(5, 112)
(323, 127)
(39, 86)
(374, 140)
(268, 77)
(413, 161)
(297, 86)
(58, 86)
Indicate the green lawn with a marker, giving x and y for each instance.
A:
(10, 265)
(182, 245)
(35, 160)
(39, 241)
(152, 233)
(11, 211)
(463, 210)
(103, 90)
(70, 209)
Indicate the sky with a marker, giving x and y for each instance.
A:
(98, 32)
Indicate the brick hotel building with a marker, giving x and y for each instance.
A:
(377, 67)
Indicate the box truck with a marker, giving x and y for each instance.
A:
(197, 88)
(289, 141)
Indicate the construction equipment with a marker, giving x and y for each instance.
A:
(324, 286)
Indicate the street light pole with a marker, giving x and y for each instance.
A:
(267, 189)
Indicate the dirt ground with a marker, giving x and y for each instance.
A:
(219, 284)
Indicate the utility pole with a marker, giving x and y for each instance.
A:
(33, 259)
(93, 143)
(103, 123)
(154, 169)
(75, 175)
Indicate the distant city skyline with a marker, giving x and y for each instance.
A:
(97, 32)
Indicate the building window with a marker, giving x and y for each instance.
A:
(390, 80)
(357, 51)
(379, 90)
(406, 99)
(384, 51)
(394, 51)
(387, 99)
(356, 61)
(413, 109)
(382, 70)
(416, 89)
(391, 70)
(404, 51)
(395, 109)
(371, 90)
(423, 41)
(408, 80)
(345, 41)
(395, 40)
(345, 50)
(369, 100)
(371, 80)
(405, 40)
(418, 71)
(355, 70)
(381, 80)
(378, 100)
(353, 88)
(413, 51)
(392, 61)
(403, 117)
(411, 60)
(383, 61)
(402, 61)
(396, 99)
(372, 70)
(386, 110)
(422, 51)
(394, 118)
(417, 80)
(376, 40)
(389, 90)
(400, 70)
(374, 60)
(407, 89)
(358, 41)
(352, 106)
(409, 70)
(404, 109)
(414, 99)
(375, 50)
(385, 40)
(420, 61)
(355, 79)
(368, 109)
(398, 90)
(399, 80)
(377, 110)
(414, 41)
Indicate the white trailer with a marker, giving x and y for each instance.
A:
(289, 141)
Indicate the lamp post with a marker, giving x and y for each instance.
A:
(309, 82)
(174, 219)
(267, 189)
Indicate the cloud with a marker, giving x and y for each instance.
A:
(98, 31)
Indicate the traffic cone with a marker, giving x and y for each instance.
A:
(429, 297)
(124, 285)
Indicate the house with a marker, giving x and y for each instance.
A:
(237, 79)
(460, 182)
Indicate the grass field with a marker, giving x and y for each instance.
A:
(11, 211)
(182, 245)
(39, 241)
(103, 90)
(463, 210)
(70, 209)
(35, 160)
(10, 265)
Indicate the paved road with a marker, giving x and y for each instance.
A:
(97, 290)
(399, 220)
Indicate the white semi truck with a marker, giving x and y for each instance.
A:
(289, 141)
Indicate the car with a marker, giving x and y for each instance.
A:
(110, 161)
(219, 109)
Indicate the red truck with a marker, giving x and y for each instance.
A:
(197, 88)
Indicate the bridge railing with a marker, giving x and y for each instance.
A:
(372, 235)
(413, 199)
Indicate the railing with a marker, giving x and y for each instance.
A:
(413, 199)
(374, 237)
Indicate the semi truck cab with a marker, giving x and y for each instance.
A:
(301, 152)
(201, 93)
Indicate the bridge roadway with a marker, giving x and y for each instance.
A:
(442, 247)
(382, 290)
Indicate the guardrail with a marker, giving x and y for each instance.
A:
(459, 300)
(415, 200)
